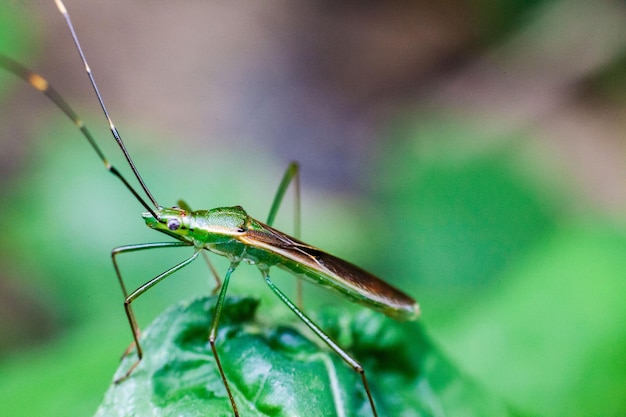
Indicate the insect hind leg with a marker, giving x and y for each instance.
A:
(356, 366)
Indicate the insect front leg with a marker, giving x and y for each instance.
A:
(135, 248)
(213, 334)
(320, 333)
(129, 298)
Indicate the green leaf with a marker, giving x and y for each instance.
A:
(277, 371)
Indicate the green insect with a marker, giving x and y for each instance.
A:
(231, 232)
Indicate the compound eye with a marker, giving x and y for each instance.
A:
(173, 224)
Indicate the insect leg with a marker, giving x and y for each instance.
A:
(218, 282)
(320, 333)
(291, 174)
(135, 248)
(213, 334)
(139, 291)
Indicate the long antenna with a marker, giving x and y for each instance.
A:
(114, 131)
(42, 85)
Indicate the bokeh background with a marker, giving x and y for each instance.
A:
(471, 153)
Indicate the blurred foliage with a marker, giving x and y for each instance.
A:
(499, 19)
(473, 212)
(17, 38)
(521, 279)
(610, 83)
(513, 281)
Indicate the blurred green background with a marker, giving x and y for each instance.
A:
(470, 153)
